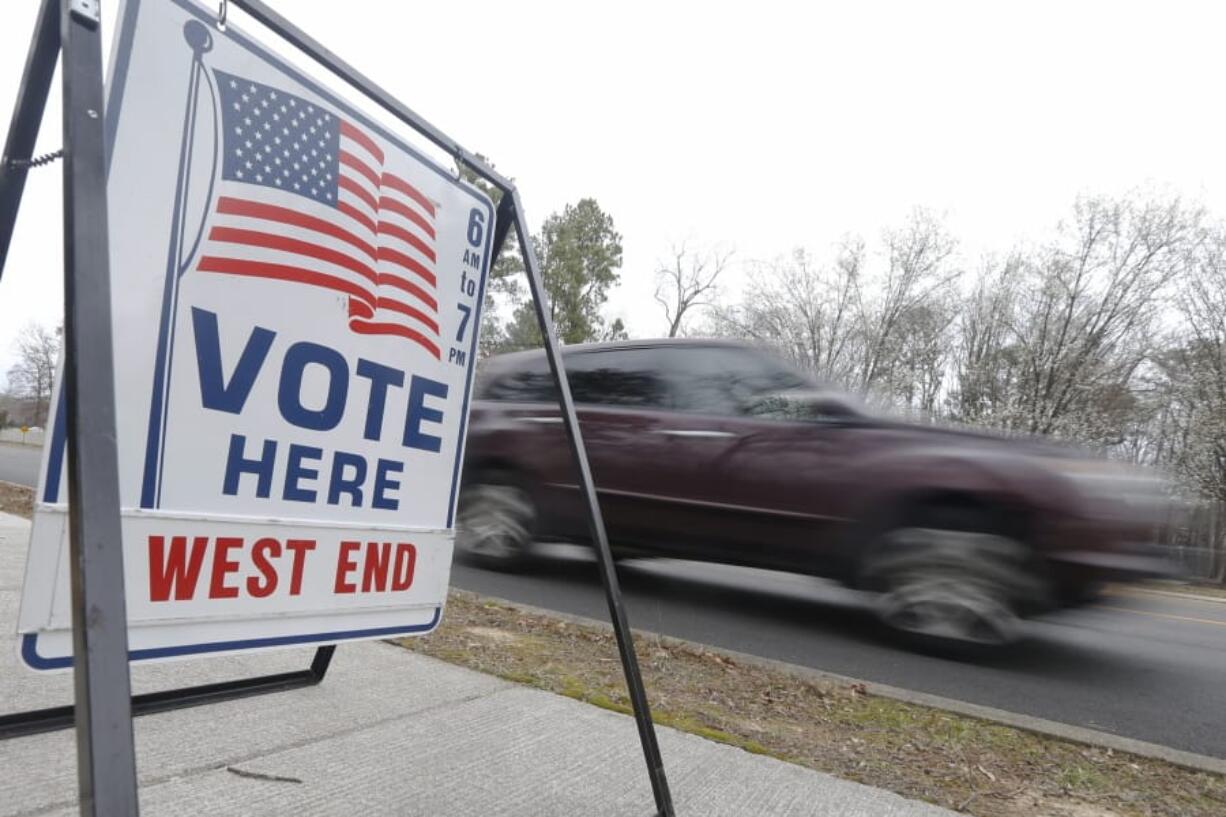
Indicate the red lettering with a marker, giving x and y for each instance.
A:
(174, 573)
(344, 565)
(378, 559)
(222, 566)
(300, 548)
(259, 557)
(406, 563)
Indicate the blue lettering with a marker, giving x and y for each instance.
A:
(340, 484)
(289, 394)
(295, 473)
(237, 465)
(380, 378)
(383, 484)
(419, 412)
(214, 392)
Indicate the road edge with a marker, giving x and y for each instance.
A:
(1027, 723)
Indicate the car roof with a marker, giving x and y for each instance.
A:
(513, 360)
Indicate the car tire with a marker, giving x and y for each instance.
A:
(495, 522)
(950, 589)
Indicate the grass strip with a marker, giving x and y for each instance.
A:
(958, 762)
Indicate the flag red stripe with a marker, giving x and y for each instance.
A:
(254, 238)
(349, 160)
(358, 216)
(370, 328)
(350, 132)
(396, 231)
(401, 186)
(409, 287)
(412, 312)
(361, 192)
(282, 272)
(403, 210)
(283, 215)
(411, 264)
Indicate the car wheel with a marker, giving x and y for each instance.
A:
(495, 523)
(949, 590)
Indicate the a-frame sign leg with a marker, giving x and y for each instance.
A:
(511, 210)
(106, 756)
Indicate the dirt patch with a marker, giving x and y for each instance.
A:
(16, 499)
(954, 761)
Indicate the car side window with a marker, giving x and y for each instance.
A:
(627, 378)
(615, 377)
(725, 379)
(530, 382)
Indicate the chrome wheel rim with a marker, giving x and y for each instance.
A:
(494, 522)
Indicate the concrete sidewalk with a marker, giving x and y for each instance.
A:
(391, 732)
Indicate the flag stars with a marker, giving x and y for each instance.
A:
(239, 131)
(246, 98)
(297, 186)
(259, 177)
(246, 120)
(238, 173)
(237, 107)
(233, 84)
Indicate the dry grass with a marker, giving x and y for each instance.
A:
(16, 499)
(957, 762)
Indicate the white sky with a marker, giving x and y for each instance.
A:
(759, 125)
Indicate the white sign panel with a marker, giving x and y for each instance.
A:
(296, 297)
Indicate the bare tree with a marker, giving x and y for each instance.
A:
(38, 349)
(805, 310)
(690, 279)
(985, 367)
(1194, 370)
(1085, 316)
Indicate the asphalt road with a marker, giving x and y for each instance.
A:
(19, 463)
(1140, 665)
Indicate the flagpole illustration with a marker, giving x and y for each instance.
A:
(200, 40)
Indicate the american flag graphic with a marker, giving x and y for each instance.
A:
(307, 197)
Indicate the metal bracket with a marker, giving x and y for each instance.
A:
(87, 11)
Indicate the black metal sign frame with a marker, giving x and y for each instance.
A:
(104, 704)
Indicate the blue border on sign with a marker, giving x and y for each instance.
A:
(52, 487)
(29, 644)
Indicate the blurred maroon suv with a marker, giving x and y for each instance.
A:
(721, 452)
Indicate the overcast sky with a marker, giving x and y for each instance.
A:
(760, 126)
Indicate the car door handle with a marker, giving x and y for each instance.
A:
(695, 432)
(540, 419)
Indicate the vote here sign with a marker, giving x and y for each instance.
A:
(296, 296)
